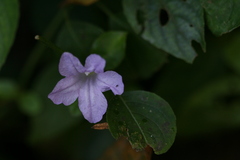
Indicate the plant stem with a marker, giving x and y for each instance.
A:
(49, 44)
(39, 49)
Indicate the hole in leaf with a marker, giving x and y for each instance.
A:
(191, 25)
(163, 17)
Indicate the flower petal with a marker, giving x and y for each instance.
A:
(111, 80)
(67, 89)
(92, 102)
(69, 65)
(95, 63)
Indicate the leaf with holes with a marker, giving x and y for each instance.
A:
(8, 24)
(170, 25)
(222, 15)
(144, 118)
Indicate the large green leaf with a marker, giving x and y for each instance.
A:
(111, 46)
(144, 118)
(222, 15)
(8, 24)
(145, 59)
(170, 25)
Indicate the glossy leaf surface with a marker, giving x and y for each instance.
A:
(144, 118)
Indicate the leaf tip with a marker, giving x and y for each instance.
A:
(37, 37)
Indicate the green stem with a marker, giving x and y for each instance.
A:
(49, 44)
(39, 49)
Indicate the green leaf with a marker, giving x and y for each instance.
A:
(77, 37)
(9, 13)
(222, 15)
(30, 104)
(8, 89)
(144, 118)
(111, 46)
(170, 25)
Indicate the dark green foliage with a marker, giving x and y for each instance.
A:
(9, 13)
(148, 42)
(144, 119)
(224, 21)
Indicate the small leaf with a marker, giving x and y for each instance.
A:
(77, 37)
(30, 103)
(144, 118)
(222, 15)
(170, 25)
(8, 89)
(9, 13)
(111, 46)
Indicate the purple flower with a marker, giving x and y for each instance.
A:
(87, 84)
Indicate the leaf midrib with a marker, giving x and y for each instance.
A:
(133, 118)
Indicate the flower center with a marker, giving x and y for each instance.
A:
(89, 73)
